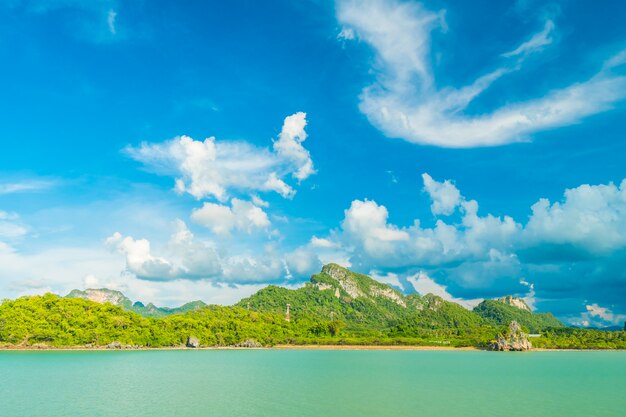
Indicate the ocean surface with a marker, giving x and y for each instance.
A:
(277, 383)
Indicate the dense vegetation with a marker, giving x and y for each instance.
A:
(336, 307)
(501, 314)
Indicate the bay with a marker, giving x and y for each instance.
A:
(302, 383)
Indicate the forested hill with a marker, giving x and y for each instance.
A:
(361, 302)
(337, 306)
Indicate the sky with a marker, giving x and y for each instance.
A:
(202, 150)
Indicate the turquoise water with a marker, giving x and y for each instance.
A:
(277, 383)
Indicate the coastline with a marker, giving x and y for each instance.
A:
(280, 347)
(277, 347)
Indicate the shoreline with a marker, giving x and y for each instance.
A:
(276, 347)
(283, 347)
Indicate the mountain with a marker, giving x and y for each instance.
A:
(362, 303)
(504, 310)
(104, 295)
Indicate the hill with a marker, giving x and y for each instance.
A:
(104, 295)
(502, 311)
(364, 305)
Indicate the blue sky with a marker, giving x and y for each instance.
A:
(471, 150)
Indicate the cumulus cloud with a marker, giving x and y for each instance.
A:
(187, 257)
(140, 260)
(375, 241)
(217, 169)
(366, 223)
(406, 101)
(289, 146)
(590, 219)
(241, 215)
(444, 195)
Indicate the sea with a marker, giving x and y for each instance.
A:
(315, 383)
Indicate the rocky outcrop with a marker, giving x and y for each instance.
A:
(192, 342)
(101, 295)
(322, 286)
(114, 345)
(342, 276)
(388, 293)
(514, 340)
(250, 343)
(515, 302)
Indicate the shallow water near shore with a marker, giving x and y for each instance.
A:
(302, 383)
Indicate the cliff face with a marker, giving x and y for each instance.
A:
(101, 296)
(515, 302)
(514, 340)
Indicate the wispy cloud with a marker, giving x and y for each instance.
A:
(111, 15)
(96, 20)
(535, 43)
(406, 102)
(24, 186)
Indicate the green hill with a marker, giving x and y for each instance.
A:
(502, 311)
(363, 304)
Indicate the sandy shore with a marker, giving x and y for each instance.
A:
(277, 347)
(369, 347)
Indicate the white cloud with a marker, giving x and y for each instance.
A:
(186, 257)
(289, 146)
(140, 260)
(217, 169)
(406, 102)
(366, 223)
(376, 243)
(444, 195)
(241, 215)
(322, 243)
(590, 217)
(273, 183)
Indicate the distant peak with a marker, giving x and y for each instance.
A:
(100, 295)
(332, 268)
(515, 302)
